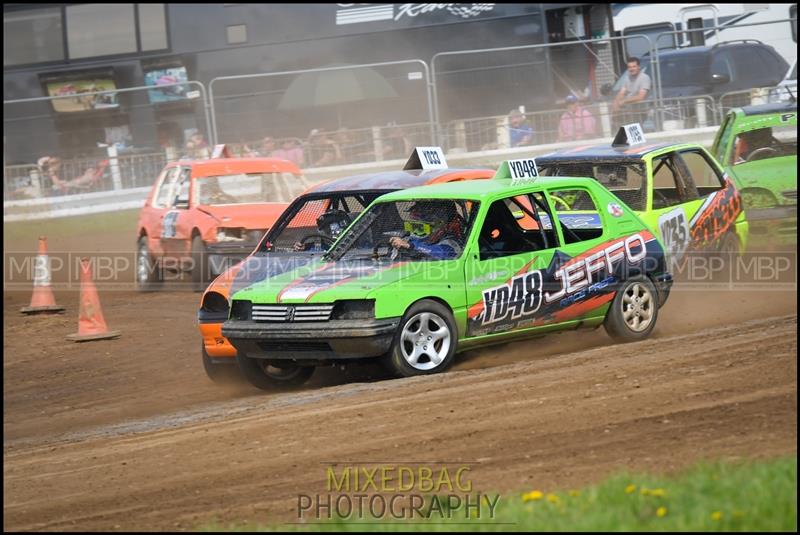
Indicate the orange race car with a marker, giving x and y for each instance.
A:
(307, 228)
(203, 214)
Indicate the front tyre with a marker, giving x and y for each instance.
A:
(264, 375)
(219, 373)
(633, 312)
(148, 273)
(201, 274)
(425, 342)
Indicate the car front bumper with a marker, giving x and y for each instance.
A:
(324, 340)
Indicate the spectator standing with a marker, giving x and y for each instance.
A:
(323, 150)
(268, 147)
(520, 132)
(634, 90)
(576, 122)
(290, 150)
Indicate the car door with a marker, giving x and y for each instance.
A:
(155, 211)
(503, 271)
(177, 227)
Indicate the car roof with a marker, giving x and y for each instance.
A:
(605, 152)
(394, 180)
(218, 166)
(763, 109)
(482, 189)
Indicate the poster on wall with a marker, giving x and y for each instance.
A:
(161, 78)
(77, 90)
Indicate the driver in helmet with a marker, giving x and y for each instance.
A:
(608, 175)
(433, 230)
(330, 225)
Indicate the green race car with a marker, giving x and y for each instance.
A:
(757, 145)
(427, 272)
(678, 190)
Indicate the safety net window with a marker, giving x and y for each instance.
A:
(313, 225)
(421, 230)
(765, 144)
(625, 178)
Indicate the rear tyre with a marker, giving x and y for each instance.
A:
(201, 274)
(264, 375)
(220, 373)
(633, 312)
(726, 254)
(425, 341)
(148, 273)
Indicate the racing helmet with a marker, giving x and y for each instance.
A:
(432, 220)
(333, 222)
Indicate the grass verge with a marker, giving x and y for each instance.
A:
(716, 496)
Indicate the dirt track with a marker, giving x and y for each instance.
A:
(129, 434)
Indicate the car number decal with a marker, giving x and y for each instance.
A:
(674, 232)
(170, 222)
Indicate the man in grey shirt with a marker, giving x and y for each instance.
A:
(635, 89)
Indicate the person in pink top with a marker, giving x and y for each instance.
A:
(576, 122)
(290, 151)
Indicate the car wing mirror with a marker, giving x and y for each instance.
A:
(720, 78)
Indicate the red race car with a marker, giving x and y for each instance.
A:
(204, 215)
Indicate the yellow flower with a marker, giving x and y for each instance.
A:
(552, 498)
(574, 493)
(645, 491)
(532, 495)
(658, 493)
(661, 512)
(716, 516)
(630, 489)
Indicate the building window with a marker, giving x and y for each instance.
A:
(237, 34)
(100, 30)
(152, 26)
(32, 36)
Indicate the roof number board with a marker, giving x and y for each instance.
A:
(522, 171)
(630, 135)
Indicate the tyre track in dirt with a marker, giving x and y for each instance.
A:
(546, 423)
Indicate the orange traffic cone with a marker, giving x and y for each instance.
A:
(91, 324)
(43, 299)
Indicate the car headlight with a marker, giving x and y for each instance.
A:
(230, 234)
(214, 302)
(354, 309)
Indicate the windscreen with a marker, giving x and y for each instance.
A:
(313, 224)
(680, 70)
(243, 188)
(626, 179)
(413, 231)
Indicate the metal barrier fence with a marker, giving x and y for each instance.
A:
(103, 157)
(528, 75)
(338, 116)
(320, 110)
(344, 146)
(53, 177)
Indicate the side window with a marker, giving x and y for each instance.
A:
(515, 225)
(703, 174)
(667, 184)
(164, 195)
(750, 69)
(577, 213)
(773, 64)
